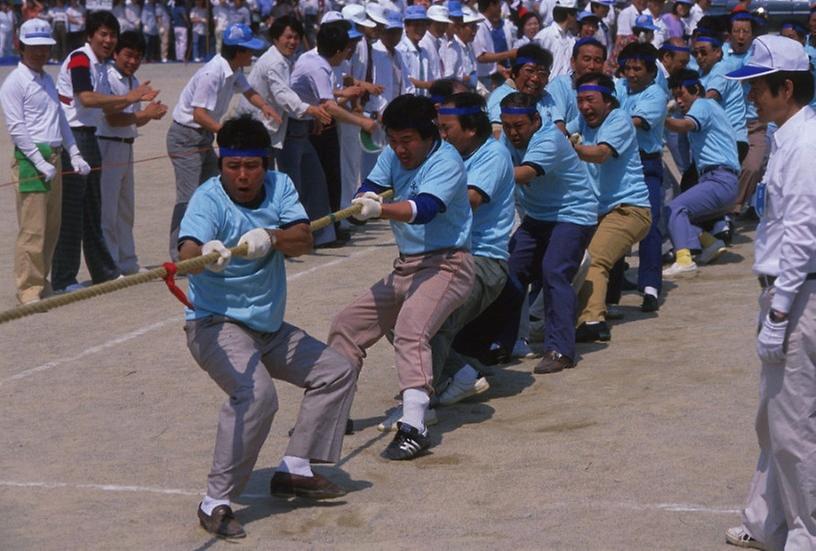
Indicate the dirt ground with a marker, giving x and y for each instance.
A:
(107, 424)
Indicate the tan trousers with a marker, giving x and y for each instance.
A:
(617, 231)
(413, 300)
(38, 216)
(164, 37)
(751, 171)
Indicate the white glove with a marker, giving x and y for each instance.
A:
(771, 340)
(576, 139)
(216, 246)
(258, 241)
(47, 170)
(372, 206)
(80, 166)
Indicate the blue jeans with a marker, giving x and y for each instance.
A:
(714, 194)
(651, 264)
(198, 45)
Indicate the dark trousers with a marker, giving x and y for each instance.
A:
(327, 145)
(153, 52)
(650, 271)
(81, 228)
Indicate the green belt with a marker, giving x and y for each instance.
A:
(31, 181)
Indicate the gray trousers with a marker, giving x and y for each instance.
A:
(194, 162)
(490, 277)
(782, 499)
(244, 362)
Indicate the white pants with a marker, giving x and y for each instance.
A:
(782, 499)
(351, 158)
(118, 203)
(181, 42)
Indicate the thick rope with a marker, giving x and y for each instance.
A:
(183, 267)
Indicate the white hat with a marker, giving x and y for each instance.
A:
(771, 54)
(36, 32)
(439, 14)
(375, 12)
(357, 15)
(570, 4)
(470, 16)
(331, 16)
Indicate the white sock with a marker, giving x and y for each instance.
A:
(593, 322)
(295, 465)
(414, 404)
(466, 376)
(209, 503)
(650, 291)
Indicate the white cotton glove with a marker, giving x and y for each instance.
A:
(771, 341)
(372, 206)
(216, 246)
(575, 139)
(80, 166)
(46, 169)
(259, 242)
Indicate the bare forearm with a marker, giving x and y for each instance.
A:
(294, 241)
(202, 117)
(593, 153)
(104, 101)
(400, 211)
(679, 125)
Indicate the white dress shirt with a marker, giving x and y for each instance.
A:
(388, 71)
(626, 19)
(77, 114)
(695, 14)
(118, 85)
(545, 10)
(458, 59)
(483, 43)
(785, 244)
(211, 88)
(416, 61)
(312, 78)
(432, 45)
(559, 42)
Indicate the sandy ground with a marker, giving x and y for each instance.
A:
(107, 424)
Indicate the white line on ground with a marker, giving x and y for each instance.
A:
(158, 325)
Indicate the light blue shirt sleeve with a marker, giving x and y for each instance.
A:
(436, 178)
(616, 132)
(700, 115)
(381, 174)
(202, 219)
(651, 107)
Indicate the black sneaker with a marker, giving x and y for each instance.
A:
(650, 303)
(407, 443)
(593, 332)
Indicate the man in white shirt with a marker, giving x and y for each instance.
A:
(416, 58)
(388, 67)
(782, 497)
(661, 33)
(39, 130)
(435, 40)
(627, 17)
(697, 12)
(492, 44)
(459, 58)
(559, 38)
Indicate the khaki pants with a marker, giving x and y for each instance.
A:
(617, 231)
(413, 300)
(38, 215)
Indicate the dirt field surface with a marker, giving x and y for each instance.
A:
(107, 424)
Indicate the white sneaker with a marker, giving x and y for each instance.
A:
(390, 422)
(522, 350)
(677, 271)
(458, 391)
(740, 537)
(712, 252)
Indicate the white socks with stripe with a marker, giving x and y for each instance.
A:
(295, 465)
(414, 404)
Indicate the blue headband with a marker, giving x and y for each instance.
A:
(742, 16)
(460, 111)
(691, 82)
(518, 110)
(798, 28)
(710, 39)
(594, 88)
(43, 34)
(228, 152)
(673, 48)
(524, 61)
(439, 99)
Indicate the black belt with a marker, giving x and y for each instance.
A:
(189, 127)
(718, 167)
(766, 281)
(116, 139)
(447, 251)
(649, 156)
(84, 129)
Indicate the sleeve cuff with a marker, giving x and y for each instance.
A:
(294, 223)
(695, 121)
(645, 124)
(782, 301)
(539, 171)
(614, 151)
(483, 193)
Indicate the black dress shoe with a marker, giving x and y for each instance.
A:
(312, 487)
(221, 523)
(553, 362)
(650, 303)
(593, 332)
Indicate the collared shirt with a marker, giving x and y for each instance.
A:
(270, 78)
(432, 46)
(731, 98)
(785, 244)
(32, 110)
(562, 90)
(620, 178)
(547, 108)
(626, 19)
(211, 88)
(650, 105)
(733, 61)
(359, 61)
(545, 10)
(390, 72)
(560, 43)
(252, 292)
(490, 172)
(458, 60)
(712, 142)
(695, 14)
(311, 78)
(662, 32)
(562, 191)
(442, 175)
(483, 43)
(119, 85)
(416, 61)
(77, 14)
(75, 112)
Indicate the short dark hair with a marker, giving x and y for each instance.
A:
(133, 40)
(797, 27)
(484, 4)
(523, 101)
(99, 19)
(331, 39)
(229, 52)
(535, 52)
(244, 132)
(601, 80)
(560, 13)
(644, 52)
(279, 26)
(576, 49)
(410, 112)
(479, 122)
(802, 85)
(677, 79)
(442, 88)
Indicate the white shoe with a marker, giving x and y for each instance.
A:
(740, 537)
(712, 252)
(522, 350)
(677, 271)
(390, 422)
(458, 391)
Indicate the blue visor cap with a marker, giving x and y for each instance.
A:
(415, 13)
(239, 34)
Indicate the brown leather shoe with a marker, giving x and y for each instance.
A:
(222, 523)
(312, 487)
(553, 362)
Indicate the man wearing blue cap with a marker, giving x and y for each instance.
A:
(202, 103)
(779, 513)
(416, 58)
(388, 66)
(601, 10)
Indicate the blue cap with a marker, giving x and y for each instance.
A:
(644, 21)
(587, 15)
(393, 19)
(609, 3)
(688, 2)
(353, 33)
(455, 8)
(415, 13)
(239, 34)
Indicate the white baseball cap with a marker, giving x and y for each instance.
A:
(331, 16)
(439, 14)
(375, 12)
(357, 15)
(771, 54)
(36, 32)
(470, 16)
(570, 4)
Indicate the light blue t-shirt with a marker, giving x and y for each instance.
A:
(620, 178)
(732, 99)
(811, 52)
(733, 61)
(252, 292)
(546, 106)
(442, 175)
(650, 105)
(563, 190)
(562, 90)
(712, 142)
(490, 172)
